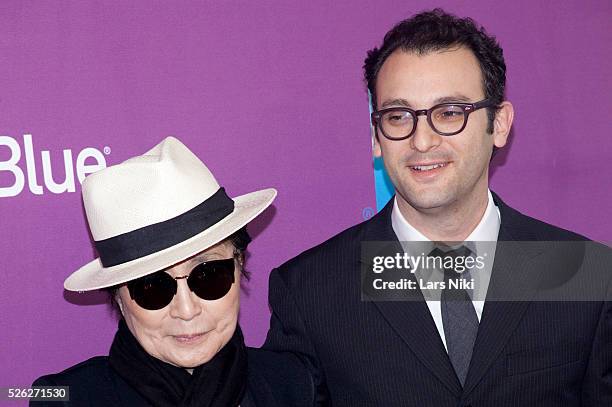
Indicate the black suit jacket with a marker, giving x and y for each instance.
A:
(527, 353)
(274, 380)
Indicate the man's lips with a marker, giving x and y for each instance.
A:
(428, 166)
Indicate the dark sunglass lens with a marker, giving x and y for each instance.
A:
(212, 280)
(154, 291)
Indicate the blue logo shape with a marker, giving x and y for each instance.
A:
(382, 183)
(367, 213)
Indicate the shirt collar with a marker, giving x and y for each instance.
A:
(487, 229)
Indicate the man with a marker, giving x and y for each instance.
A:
(437, 86)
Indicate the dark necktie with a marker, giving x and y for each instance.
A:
(458, 316)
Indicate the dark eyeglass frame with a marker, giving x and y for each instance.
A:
(466, 107)
(165, 286)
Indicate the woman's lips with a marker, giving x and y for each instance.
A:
(188, 338)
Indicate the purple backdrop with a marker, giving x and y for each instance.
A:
(267, 93)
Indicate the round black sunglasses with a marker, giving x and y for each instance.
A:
(209, 280)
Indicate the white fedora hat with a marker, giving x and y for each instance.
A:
(155, 210)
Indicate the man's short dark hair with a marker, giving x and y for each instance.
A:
(436, 30)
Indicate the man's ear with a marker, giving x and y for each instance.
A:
(376, 150)
(502, 124)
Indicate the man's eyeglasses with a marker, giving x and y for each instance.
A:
(210, 280)
(446, 119)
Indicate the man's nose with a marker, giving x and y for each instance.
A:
(424, 137)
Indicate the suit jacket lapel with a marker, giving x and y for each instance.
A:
(411, 319)
(515, 274)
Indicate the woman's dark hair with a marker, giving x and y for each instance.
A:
(437, 30)
(239, 239)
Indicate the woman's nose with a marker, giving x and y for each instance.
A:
(185, 304)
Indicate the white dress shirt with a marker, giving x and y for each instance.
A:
(487, 230)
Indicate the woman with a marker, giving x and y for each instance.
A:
(171, 251)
